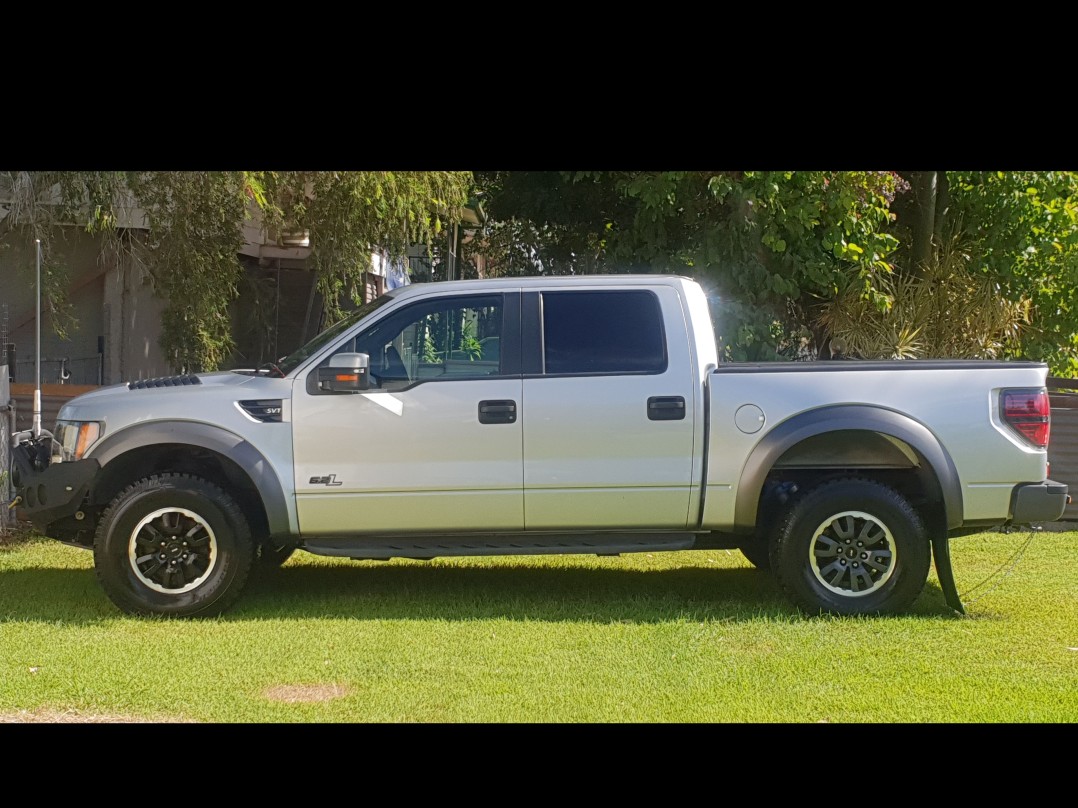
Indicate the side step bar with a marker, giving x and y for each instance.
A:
(425, 547)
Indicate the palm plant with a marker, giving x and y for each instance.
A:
(945, 310)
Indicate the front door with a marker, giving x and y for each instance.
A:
(435, 445)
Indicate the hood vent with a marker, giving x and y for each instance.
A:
(164, 381)
(266, 410)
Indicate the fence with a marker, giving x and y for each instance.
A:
(1063, 445)
(6, 420)
(80, 370)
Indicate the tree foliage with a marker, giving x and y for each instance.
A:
(771, 245)
(349, 214)
(36, 206)
(194, 232)
(785, 251)
(786, 255)
(1022, 227)
(192, 253)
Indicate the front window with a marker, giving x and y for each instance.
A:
(297, 357)
(445, 338)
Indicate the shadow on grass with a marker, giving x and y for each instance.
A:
(414, 592)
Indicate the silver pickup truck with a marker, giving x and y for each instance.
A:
(547, 415)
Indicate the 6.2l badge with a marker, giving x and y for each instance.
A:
(329, 479)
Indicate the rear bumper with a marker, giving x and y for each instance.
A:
(1038, 502)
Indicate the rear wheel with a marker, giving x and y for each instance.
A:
(852, 546)
(173, 544)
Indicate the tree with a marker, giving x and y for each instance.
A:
(1019, 230)
(195, 220)
(781, 249)
(1023, 228)
(772, 246)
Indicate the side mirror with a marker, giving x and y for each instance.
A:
(346, 373)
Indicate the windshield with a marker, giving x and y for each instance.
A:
(297, 357)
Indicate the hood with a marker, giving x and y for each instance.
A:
(171, 396)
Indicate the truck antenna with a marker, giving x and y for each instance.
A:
(37, 357)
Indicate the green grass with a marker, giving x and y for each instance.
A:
(668, 637)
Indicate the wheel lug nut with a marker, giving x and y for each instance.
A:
(860, 544)
(843, 562)
(856, 564)
(864, 555)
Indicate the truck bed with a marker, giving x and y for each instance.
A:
(761, 410)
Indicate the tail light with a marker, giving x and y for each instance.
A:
(1027, 412)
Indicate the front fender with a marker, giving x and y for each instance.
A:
(282, 519)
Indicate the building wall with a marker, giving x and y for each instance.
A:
(78, 252)
(132, 316)
(117, 316)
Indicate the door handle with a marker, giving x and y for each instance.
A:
(666, 408)
(497, 412)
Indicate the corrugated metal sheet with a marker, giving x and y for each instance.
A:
(1063, 441)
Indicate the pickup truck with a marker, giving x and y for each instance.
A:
(543, 415)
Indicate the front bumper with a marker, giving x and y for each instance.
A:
(1038, 502)
(54, 493)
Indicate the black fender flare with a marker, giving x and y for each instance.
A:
(216, 439)
(845, 417)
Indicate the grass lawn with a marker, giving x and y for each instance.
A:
(667, 637)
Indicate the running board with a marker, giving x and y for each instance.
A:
(425, 547)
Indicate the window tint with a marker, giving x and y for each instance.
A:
(603, 332)
(445, 338)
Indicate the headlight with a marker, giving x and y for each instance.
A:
(72, 438)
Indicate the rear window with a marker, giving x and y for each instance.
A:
(603, 332)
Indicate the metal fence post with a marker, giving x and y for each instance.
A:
(7, 422)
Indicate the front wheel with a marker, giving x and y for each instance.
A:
(852, 546)
(173, 544)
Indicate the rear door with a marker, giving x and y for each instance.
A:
(608, 408)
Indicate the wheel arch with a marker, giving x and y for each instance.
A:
(220, 455)
(850, 426)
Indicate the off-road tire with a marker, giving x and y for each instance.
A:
(822, 568)
(174, 545)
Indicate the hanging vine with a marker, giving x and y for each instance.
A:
(194, 233)
(350, 214)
